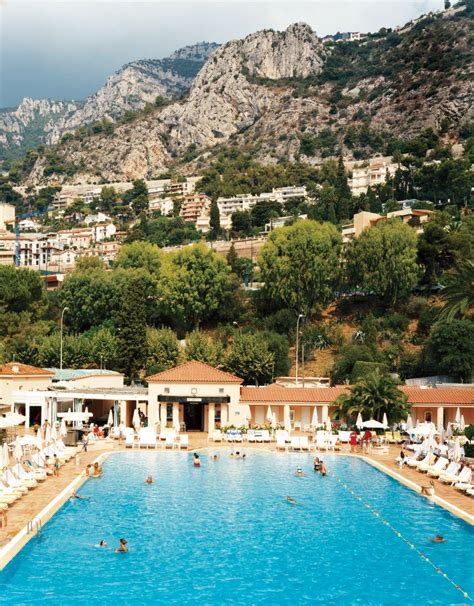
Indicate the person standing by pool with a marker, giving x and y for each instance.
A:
(353, 441)
(122, 547)
(196, 460)
(44, 428)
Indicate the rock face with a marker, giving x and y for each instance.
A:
(272, 91)
(130, 88)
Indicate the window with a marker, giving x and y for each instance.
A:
(428, 416)
(218, 412)
(221, 390)
(169, 412)
(166, 390)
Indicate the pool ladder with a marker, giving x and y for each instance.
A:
(33, 526)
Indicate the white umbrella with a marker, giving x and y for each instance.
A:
(409, 424)
(6, 455)
(39, 439)
(315, 420)
(385, 420)
(462, 424)
(269, 414)
(63, 429)
(18, 450)
(456, 456)
(110, 419)
(425, 429)
(457, 418)
(359, 421)
(274, 421)
(136, 419)
(47, 434)
(373, 424)
(1, 458)
(287, 420)
(449, 431)
(54, 432)
(12, 419)
(328, 424)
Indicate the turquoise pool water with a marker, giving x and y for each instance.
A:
(223, 534)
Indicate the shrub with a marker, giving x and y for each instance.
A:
(362, 369)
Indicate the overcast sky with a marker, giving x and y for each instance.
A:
(65, 49)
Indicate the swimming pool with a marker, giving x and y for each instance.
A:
(223, 534)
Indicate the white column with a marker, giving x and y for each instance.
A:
(224, 414)
(324, 414)
(176, 416)
(286, 417)
(211, 417)
(440, 418)
(163, 416)
(123, 405)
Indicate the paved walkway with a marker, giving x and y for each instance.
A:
(26, 508)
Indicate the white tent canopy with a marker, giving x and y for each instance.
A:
(425, 429)
(74, 416)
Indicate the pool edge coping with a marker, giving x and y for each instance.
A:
(23, 536)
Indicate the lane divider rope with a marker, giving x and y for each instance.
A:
(377, 514)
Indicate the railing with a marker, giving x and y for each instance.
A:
(33, 526)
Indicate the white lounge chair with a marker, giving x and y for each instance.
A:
(12, 483)
(440, 464)
(463, 476)
(266, 436)
(280, 443)
(321, 443)
(451, 469)
(184, 441)
(295, 443)
(21, 473)
(215, 436)
(129, 440)
(251, 435)
(464, 486)
(170, 440)
(304, 445)
(147, 438)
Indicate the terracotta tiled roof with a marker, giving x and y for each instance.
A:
(193, 372)
(439, 395)
(279, 393)
(15, 369)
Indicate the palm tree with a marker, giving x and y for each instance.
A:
(372, 396)
(459, 292)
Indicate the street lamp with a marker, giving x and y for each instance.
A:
(296, 353)
(61, 345)
(236, 324)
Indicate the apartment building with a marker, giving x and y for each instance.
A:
(35, 249)
(373, 174)
(163, 205)
(363, 220)
(7, 216)
(196, 209)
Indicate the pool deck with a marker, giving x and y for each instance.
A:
(36, 501)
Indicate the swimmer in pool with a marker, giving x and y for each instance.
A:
(196, 460)
(103, 543)
(299, 472)
(291, 500)
(438, 539)
(149, 479)
(122, 547)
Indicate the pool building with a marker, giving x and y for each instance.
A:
(197, 397)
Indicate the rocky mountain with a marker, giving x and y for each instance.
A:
(128, 89)
(286, 96)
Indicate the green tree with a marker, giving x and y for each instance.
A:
(382, 260)
(279, 346)
(373, 396)
(86, 264)
(343, 192)
(20, 289)
(197, 283)
(164, 350)
(91, 297)
(300, 265)
(108, 198)
(346, 359)
(214, 221)
(459, 292)
(201, 347)
(449, 349)
(241, 222)
(131, 330)
(140, 255)
(250, 358)
(104, 349)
